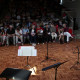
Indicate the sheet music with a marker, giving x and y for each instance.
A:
(27, 51)
(34, 52)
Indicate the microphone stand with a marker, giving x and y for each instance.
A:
(55, 73)
(47, 57)
(77, 62)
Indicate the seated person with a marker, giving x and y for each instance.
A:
(11, 34)
(39, 31)
(61, 34)
(66, 33)
(33, 35)
(18, 33)
(46, 33)
(3, 37)
(25, 33)
(53, 32)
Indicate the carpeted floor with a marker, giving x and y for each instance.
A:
(56, 51)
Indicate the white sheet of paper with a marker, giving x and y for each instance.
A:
(34, 52)
(27, 51)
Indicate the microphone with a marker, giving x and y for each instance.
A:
(53, 66)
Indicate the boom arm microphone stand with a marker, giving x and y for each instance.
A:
(77, 62)
(47, 58)
(55, 66)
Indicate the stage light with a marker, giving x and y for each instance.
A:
(34, 69)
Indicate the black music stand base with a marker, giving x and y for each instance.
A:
(76, 63)
(47, 58)
(28, 66)
(27, 63)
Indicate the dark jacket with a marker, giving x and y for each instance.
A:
(34, 31)
(46, 31)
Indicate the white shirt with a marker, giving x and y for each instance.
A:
(32, 31)
(18, 33)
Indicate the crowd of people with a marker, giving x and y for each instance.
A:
(32, 25)
(35, 33)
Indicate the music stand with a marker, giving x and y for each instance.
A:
(16, 74)
(77, 62)
(47, 57)
(27, 51)
(55, 66)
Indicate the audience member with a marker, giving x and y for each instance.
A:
(33, 35)
(3, 38)
(61, 34)
(39, 31)
(66, 33)
(19, 36)
(25, 34)
(47, 34)
(53, 32)
(11, 34)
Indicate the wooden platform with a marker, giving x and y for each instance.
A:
(59, 52)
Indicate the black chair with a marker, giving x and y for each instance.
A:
(10, 40)
(40, 38)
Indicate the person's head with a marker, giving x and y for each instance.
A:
(64, 25)
(10, 26)
(46, 25)
(33, 26)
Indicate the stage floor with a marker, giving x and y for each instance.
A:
(59, 52)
